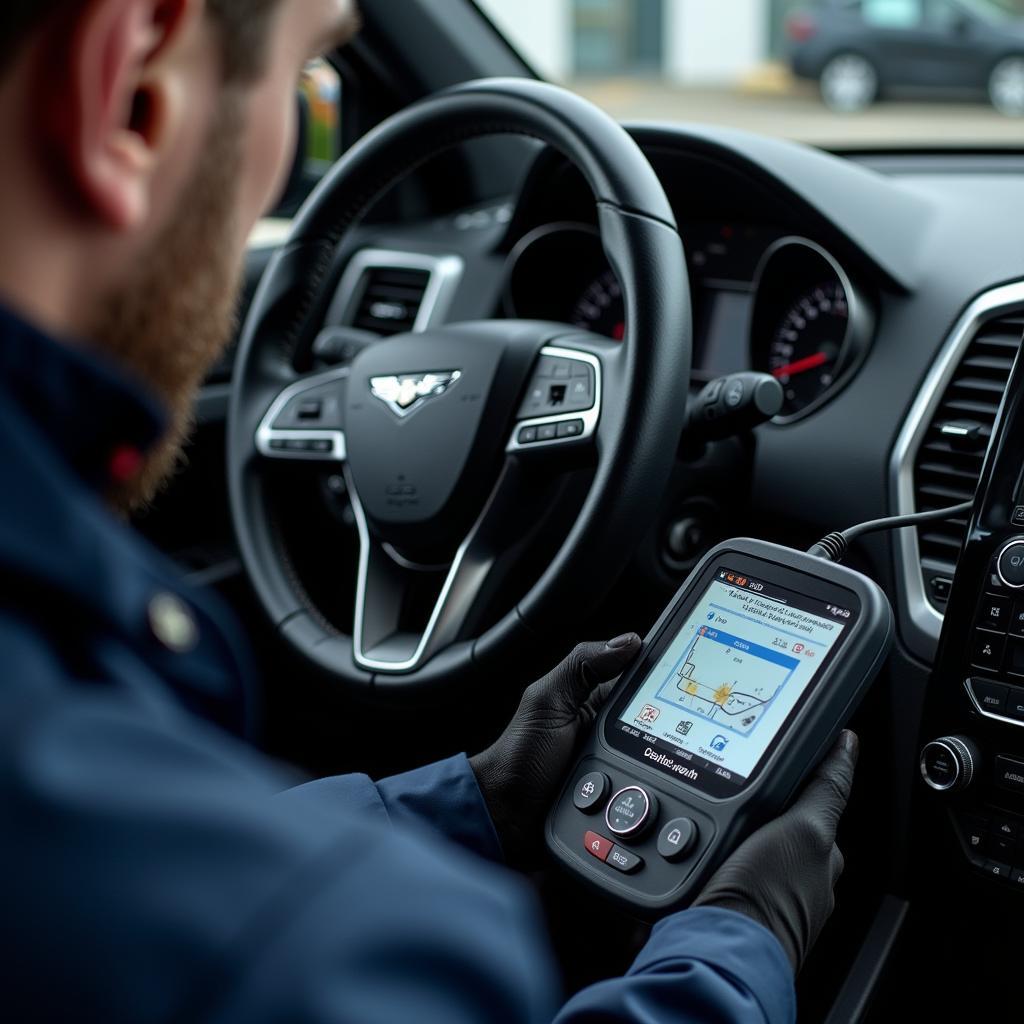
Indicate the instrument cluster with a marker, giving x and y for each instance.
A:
(763, 300)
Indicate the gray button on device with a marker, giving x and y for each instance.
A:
(677, 838)
(624, 860)
(629, 811)
(591, 791)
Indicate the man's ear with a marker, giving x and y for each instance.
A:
(117, 99)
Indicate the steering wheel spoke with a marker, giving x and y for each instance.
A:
(388, 583)
(306, 421)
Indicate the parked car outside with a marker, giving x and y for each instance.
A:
(859, 51)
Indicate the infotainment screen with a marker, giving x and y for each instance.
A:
(739, 666)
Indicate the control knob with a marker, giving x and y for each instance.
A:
(950, 763)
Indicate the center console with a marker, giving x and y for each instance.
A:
(972, 751)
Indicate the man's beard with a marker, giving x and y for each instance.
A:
(169, 325)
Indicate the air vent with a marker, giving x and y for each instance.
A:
(390, 299)
(949, 460)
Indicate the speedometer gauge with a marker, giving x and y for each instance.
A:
(810, 326)
(804, 354)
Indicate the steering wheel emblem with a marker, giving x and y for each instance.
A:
(406, 393)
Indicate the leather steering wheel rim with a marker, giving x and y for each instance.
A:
(639, 433)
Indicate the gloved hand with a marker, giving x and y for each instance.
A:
(783, 876)
(520, 774)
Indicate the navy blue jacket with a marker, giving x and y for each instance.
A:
(156, 868)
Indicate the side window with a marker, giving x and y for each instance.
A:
(320, 139)
(321, 89)
(945, 15)
(893, 13)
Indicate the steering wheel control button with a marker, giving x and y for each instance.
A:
(677, 839)
(528, 435)
(318, 407)
(629, 811)
(597, 846)
(989, 695)
(994, 613)
(173, 624)
(591, 792)
(949, 763)
(571, 428)
(1009, 773)
(987, 649)
(624, 860)
(547, 432)
(559, 385)
(1010, 564)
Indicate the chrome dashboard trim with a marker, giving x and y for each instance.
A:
(445, 274)
(989, 714)
(921, 622)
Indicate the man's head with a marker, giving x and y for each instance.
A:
(139, 142)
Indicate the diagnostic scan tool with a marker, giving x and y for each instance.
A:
(742, 688)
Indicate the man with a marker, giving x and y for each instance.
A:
(153, 867)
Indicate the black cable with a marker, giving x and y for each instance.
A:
(835, 545)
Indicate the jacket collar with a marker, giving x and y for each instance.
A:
(93, 414)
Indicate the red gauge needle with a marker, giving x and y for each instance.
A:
(801, 365)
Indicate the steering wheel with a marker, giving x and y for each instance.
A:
(442, 436)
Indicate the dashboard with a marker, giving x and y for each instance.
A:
(763, 300)
(863, 284)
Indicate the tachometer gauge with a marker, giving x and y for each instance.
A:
(601, 308)
(810, 326)
(804, 354)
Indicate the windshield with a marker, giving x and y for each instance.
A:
(845, 74)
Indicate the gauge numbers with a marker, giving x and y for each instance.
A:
(601, 309)
(804, 356)
(810, 326)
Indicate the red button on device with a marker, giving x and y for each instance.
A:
(597, 845)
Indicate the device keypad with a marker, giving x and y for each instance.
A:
(657, 847)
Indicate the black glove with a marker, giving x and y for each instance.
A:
(520, 774)
(783, 876)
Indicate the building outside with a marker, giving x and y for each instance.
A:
(692, 42)
(682, 42)
(723, 62)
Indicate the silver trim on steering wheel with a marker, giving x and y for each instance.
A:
(466, 576)
(589, 416)
(274, 443)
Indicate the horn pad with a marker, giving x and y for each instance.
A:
(427, 420)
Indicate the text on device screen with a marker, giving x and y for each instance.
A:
(724, 686)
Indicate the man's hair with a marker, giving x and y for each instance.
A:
(243, 26)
